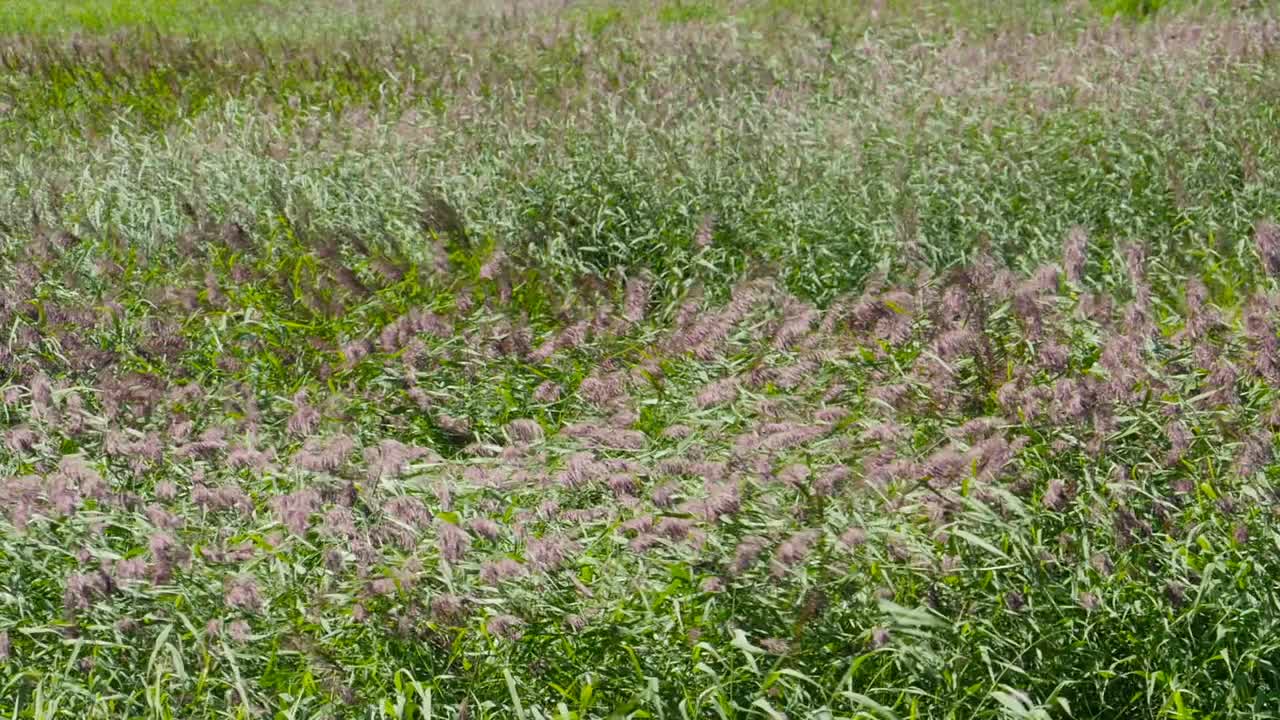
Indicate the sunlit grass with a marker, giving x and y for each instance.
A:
(98, 16)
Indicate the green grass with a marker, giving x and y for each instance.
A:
(650, 287)
(99, 16)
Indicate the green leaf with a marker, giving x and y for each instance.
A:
(979, 542)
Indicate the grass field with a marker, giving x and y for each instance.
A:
(683, 359)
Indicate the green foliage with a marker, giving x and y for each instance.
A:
(686, 11)
(1136, 9)
(598, 21)
(103, 16)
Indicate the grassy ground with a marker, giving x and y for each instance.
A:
(687, 359)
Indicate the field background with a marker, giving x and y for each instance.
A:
(699, 358)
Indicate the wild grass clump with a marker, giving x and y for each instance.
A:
(788, 360)
(351, 477)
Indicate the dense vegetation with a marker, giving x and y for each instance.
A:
(789, 358)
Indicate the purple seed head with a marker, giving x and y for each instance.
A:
(745, 554)
(453, 540)
(505, 627)
(879, 638)
(1266, 236)
(242, 592)
(1074, 254)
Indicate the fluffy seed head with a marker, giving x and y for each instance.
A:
(242, 592)
(454, 542)
(505, 627)
(1266, 237)
(1074, 253)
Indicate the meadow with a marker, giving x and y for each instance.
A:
(569, 359)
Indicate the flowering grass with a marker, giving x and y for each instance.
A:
(714, 359)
